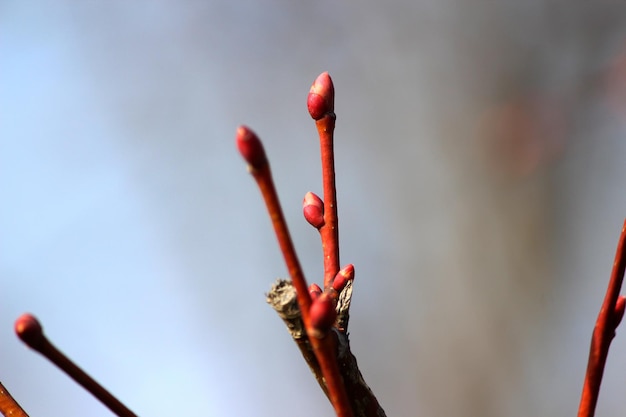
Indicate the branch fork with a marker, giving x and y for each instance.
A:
(317, 317)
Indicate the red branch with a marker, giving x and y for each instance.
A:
(252, 150)
(30, 332)
(317, 328)
(321, 105)
(609, 318)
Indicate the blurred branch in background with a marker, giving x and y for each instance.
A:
(609, 318)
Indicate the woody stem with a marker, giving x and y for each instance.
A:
(609, 318)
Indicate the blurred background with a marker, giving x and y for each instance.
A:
(480, 161)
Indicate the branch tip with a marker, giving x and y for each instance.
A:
(251, 148)
(30, 331)
(343, 276)
(321, 99)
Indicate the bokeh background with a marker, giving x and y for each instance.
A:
(480, 158)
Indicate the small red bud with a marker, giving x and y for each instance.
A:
(313, 209)
(321, 99)
(343, 276)
(29, 331)
(322, 315)
(251, 148)
(315, 291)
(620, 305)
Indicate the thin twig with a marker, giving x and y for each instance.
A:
(609, 318)
(8, 405)
(321, 105)
(252, 150)
(31, 333)
(322, 344)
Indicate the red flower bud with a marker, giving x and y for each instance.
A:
(251, 148)
(322, 315)
(315, 291)
(343, 276)
(313, 209)
(321, 99)
(620, 305)
(29, 331)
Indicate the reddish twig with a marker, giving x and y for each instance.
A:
(321, 105)
(251, 149)
(609, 318)
(317, 319)
(318, 316)
(30, 332)
(8, 406)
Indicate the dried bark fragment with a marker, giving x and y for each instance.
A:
(282, 298)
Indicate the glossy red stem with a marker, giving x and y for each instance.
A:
(253, 152)
(609, 318)
(321, 106)
(330, 230)
(325, 350)
(323, 347)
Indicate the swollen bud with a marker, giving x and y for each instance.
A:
(322, 315)
(251, 148)
(343, 276)
(321, 99)
(313, 209)
(314, 291)
(619, 310)
(29, 330)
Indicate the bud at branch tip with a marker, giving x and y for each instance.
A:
(343, 276)
(29, 330)
(251, 148)
(321, 99)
